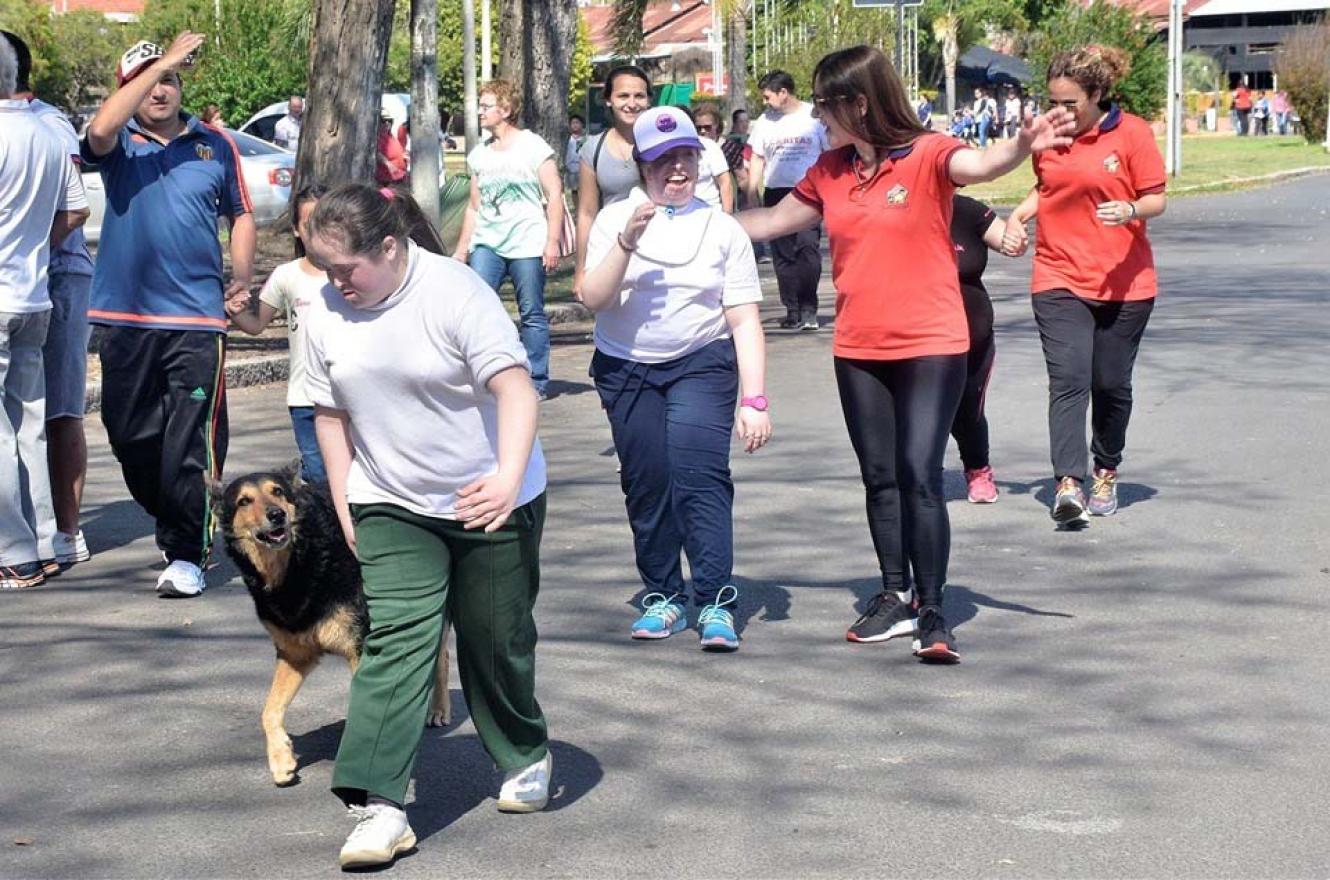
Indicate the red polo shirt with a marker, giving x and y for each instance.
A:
(892, 260)
(1116, 161)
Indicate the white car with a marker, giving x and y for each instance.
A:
(267, 170)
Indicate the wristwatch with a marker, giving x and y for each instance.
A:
(758, 402)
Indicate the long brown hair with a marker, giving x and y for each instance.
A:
(842, 76)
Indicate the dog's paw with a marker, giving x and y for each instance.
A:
(282, 765)
(439, 717)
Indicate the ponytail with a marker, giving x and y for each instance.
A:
(360, 217)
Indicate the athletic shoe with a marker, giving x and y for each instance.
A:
(979, 486)
(381, 834)
(934, 641)
(527, 789)
(1104, 492)
(716, 624)
(661, 617)
(50, 567)
(1069, 505)
(23, 576)
(181, 580)
(809, 323)
(790, 322)
(887, 617)
(70, 549)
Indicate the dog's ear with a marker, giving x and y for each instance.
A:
(292, 474)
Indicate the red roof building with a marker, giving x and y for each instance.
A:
(117, 10)
(666, 29)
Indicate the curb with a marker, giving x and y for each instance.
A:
(1260, 178)
(274, 367)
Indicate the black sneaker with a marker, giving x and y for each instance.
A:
(933, 641)
(886, 618)
(790, 322)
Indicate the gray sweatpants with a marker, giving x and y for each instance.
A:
(27, 518)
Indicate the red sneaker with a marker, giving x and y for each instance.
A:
(979, 485)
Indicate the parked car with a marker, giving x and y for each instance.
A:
(393, 104)
(267, 170)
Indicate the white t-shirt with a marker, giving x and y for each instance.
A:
(37, 179)
(710, 165)
(411, 373)
(286, 133)
(789, 144)
(688, 268)
(292, 290)
(71, 258)
(511, 221)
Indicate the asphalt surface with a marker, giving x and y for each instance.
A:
(1146, 698)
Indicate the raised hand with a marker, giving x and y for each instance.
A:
(637, 224)
(182, 49)
(1055, 128)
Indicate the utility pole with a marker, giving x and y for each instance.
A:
(1173, 141)
(486, 50)
(471, 111)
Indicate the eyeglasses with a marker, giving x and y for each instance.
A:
(705, 129)
(824, 100)
(488, 106)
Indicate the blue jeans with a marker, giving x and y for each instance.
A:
(671, 424)
(528, 276)
(311, 460)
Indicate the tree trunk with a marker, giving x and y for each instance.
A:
(736, 61)
(347, 54)
(536, 41)
(950, 55)
(425, 106)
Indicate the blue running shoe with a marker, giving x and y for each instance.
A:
(716, 624)
(661, 617)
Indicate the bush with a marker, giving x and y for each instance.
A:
(1145, 89)
(1303, 66)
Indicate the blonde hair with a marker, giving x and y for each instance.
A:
(1093, 68)
(505, 93)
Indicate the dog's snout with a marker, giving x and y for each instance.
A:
(276, 515)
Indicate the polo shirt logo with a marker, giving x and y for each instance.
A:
(897, 195)
(204, 152)
(1111, 164)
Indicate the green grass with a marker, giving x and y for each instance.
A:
(1209, 162)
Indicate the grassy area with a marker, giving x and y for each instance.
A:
(1209, 161)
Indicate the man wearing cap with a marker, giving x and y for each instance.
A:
(65, 354)
(286, 134)
(42, 196)
(158, 291)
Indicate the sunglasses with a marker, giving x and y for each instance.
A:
(705, 128)
(824, 100)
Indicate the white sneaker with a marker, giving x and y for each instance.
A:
(70, 549)
(380, 835)
(527, 790)
(181, 580)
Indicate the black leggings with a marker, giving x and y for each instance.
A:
(970, 427)
(898, 414)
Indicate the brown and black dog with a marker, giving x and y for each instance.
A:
(283, 535)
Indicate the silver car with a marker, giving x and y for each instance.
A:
(267, 169)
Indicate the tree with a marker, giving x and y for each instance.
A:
(536, 43)
(1144, 90)
(347, 53)
(736, 55)
(582, 69)
(425, 107)
(89, 47)
(959, 24)
(1303, 66)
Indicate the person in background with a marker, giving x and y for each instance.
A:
(609, 172)
(1094, 283)
(65, 353)
(715, 185)
(923, 108)
(1242, 104)
(1282, 110)
(390, 167)
(43, 200)
(572, 156)
(678, 338)
(785, 145)
(286, 134)
(212, 115)
(158, 289)
(1011, 118)
(1260, 111)
(514, 218)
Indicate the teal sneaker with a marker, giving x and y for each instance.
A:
(661, 617)
(716, 624)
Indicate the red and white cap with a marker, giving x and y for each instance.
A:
(661, 129)
(137, 58)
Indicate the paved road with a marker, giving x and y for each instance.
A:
(1147, 698)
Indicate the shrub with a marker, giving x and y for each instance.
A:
(1303, 65)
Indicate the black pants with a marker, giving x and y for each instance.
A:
(970, 427)
(164, 407)
(898, 413)
(797, 261)
(1090, 348)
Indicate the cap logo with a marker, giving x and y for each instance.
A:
(666, 123)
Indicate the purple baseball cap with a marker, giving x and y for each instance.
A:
(661, 129)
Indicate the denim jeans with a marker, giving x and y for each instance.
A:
(528, 274)
(27, 517)
(311, 460)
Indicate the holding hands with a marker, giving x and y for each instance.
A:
(1015, 237)
(238, 295)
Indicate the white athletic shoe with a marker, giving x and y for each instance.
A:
(70, 549)
(527, 789)
(181, 580)
(380, 835)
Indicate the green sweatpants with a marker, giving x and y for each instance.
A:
(416, 567)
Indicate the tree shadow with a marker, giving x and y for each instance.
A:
(961, 604)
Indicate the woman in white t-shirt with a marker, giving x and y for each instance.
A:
(715, 183)
(675, 290)
(426, 418)
(515, 216)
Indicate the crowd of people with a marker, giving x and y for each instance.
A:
(415, 399)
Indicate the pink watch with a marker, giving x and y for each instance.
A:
(758, 403)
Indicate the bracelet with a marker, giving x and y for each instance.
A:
(1131, 206)
(624, 244)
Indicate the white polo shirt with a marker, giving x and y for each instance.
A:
(689, 267)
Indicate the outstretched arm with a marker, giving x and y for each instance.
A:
(786, 217)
